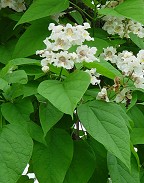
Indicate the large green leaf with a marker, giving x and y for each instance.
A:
(3, 84)
(119, 172)
(138, 41)
(25, 179)
(106, 123)
(18, 76)
(142, 175)
(16, 62)
(66, 122)
(15, 151)
(51, 162)
(49, 116)
(6, 51)
(104, 68)
(30, 89)
(82, 165)
(65, 95)
(100, 174)
(137, 136)
(13, 91)
(24, 61)
(32, 39)
(77, 17)
(137, 116)
(18, 112)
(129, 9)
(43, 8)
(35, 131)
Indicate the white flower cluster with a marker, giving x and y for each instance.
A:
(62, 38)
(17, 5)
(130, 65)
(121, 25)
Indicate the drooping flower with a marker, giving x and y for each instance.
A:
(94, 76)
(102, 95)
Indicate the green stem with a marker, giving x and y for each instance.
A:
(60, 73)
(94, 19)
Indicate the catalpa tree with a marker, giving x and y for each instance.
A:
(72, 91)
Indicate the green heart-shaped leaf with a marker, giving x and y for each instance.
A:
(107, 123)
(15, 151)
(51, 161)
(65, 95)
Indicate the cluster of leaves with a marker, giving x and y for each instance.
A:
(40, 113)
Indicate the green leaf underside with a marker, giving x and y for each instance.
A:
(65, 95)
(15, 152)
(106, 123)
(82, 165)
(119, 172)
(51, 162)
